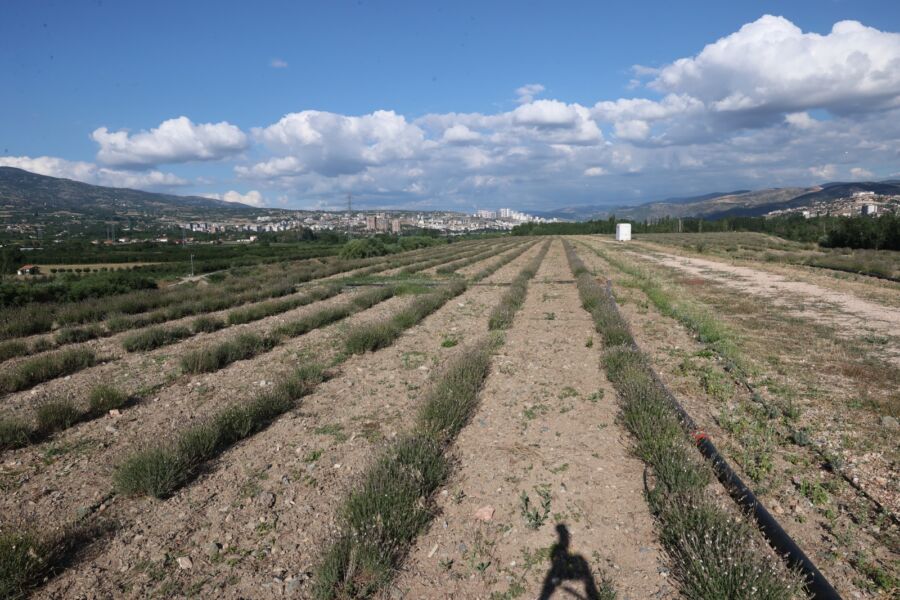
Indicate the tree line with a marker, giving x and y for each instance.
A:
(882, 233)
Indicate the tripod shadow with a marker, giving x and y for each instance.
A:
(567, 567)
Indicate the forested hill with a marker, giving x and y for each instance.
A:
(22, 191)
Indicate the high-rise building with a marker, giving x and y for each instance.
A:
(371, 222)
(395, 226)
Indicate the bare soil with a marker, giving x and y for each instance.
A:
(546, 421)
(834, 532)
(254, 524)
(844, 310)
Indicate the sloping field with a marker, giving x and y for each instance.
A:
(484, 419)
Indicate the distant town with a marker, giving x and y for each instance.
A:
(394, 222)
(866, 203)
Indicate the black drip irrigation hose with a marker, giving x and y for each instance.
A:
(775, 535)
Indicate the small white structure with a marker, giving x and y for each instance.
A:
(623, 232)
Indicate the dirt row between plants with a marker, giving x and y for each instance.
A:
(845, 311)
(668, 345)
(546, 428)
(880, 291)
(471, 250)
(253, 524)
(501, 248)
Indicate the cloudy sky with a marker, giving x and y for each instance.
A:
(535, 105)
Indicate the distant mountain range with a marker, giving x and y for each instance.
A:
(22, 191)
(728, 204)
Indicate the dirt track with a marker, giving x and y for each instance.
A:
(844, 311)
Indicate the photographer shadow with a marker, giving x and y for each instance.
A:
(566, 567)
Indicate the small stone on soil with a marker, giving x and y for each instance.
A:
(485, 513)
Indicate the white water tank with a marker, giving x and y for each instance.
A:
(623, 232)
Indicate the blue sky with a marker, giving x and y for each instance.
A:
(416, 103)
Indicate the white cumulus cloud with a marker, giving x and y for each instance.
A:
(460, 134)
(771, 64)
(527, 92)
(173, 141)
(767, 105)
(251, 198)
(332, 144)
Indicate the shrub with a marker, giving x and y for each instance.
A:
(333, 314)
(161, 470)
(73, 335)
(240, 347)
(14, 433)
(36, 370)
(23, 560)
(56, 415)
(363, 248)
(382, 517)
(714, 555)
(207, 324)
(312, 321)
(266, 309)
(511, 301)
(503, 261)
(153, 472)
(41, 345)
(21, 322)
(155, 337)
(453, 396)
(12, 348)
(369, 337)
(120, 323)
(103, 398)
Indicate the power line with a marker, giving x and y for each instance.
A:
(349, 212)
